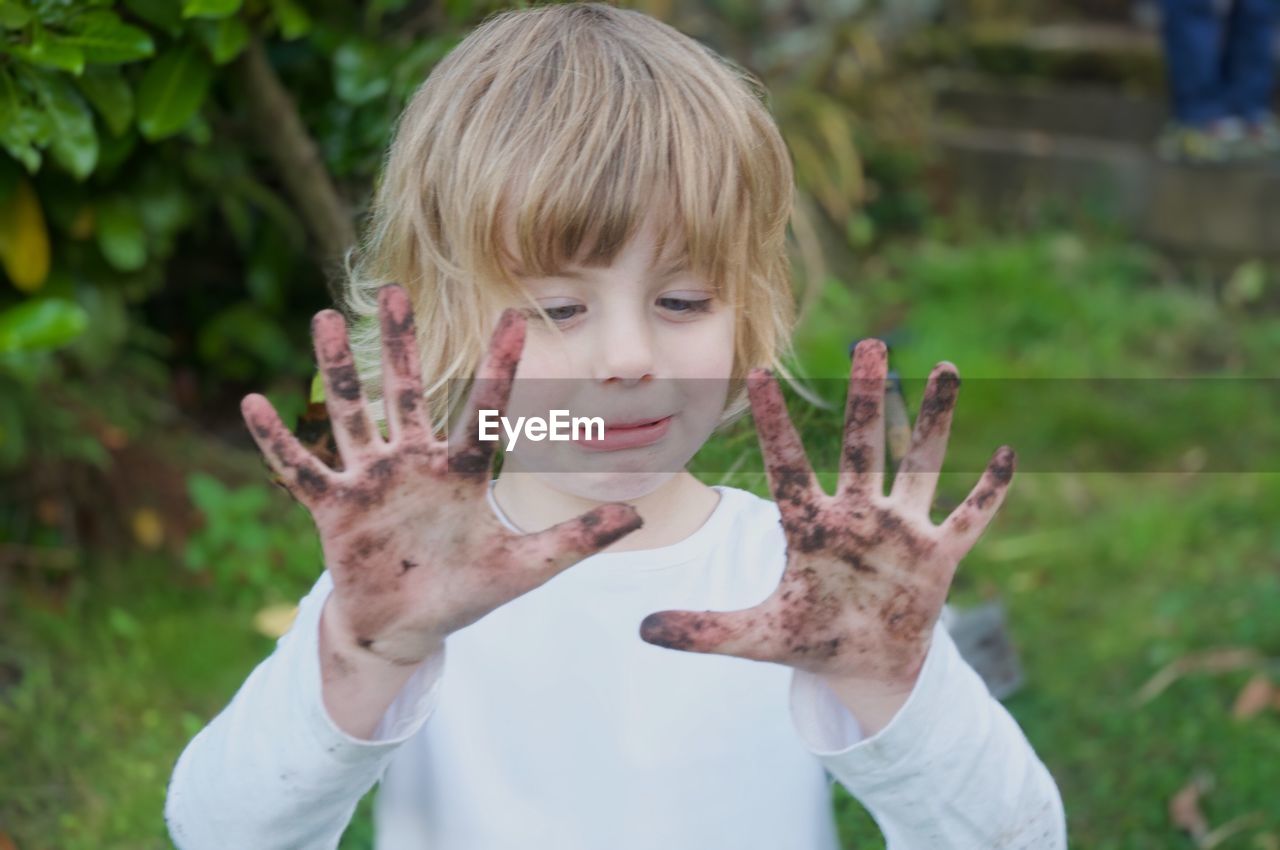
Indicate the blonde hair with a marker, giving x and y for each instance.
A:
(571, 124)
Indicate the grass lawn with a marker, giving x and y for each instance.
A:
(1111, 565)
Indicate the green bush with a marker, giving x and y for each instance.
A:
(247, 545)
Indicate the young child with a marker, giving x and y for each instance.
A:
(570, 657)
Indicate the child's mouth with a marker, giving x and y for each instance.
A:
(630, 435)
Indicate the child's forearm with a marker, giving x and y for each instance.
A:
(357, 685)
(952, 771)
(272, 769)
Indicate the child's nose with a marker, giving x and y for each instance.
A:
(624, 352)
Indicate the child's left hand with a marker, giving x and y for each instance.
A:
(866, 575)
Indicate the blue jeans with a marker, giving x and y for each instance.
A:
(1218, 66)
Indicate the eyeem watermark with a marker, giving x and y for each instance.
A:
(560, 427)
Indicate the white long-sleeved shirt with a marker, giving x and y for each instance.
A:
(552, 725)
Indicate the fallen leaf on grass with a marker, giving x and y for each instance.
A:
(1186, 815)
(6, 843)
(1222, 660)
(1256, 696)
(148, 530)
(273, 621)
(1231, 828)
(1184, 807)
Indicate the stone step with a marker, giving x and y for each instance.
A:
(1219, 212)
(1088, 112)
(1100, 53)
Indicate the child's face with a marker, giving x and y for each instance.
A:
(639, 341)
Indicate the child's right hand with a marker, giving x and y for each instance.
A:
(413, 548)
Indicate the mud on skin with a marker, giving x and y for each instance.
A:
(414, 551)
(343, 379)
(938, 403)
(866, 575)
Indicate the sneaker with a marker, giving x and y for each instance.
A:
(1219, 141)
(1263, 135)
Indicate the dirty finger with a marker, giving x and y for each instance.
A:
(305, 476)
(791, 478)
(967, 522)
(353, 428)
(916, 479)
(401, 366)
(742, 634)
(468, 454)
(862, 455)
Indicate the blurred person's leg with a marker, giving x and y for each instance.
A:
(1194, 35)
(1249, 69)
(1204, 128)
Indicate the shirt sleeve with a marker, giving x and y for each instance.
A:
(951, 771)
(272, 770)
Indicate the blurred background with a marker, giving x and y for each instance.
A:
(1005, 184)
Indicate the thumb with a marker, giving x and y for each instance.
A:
(738, 633)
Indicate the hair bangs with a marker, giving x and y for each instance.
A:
(548, 138)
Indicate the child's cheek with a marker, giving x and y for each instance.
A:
(546, 357)
(704, 351)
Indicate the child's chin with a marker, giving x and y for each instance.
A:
(608, 486)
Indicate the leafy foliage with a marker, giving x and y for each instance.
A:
(247, 546)
(133, 196)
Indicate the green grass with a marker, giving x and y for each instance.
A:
(1107, 575)
(114, 686)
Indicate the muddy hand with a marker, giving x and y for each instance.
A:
(408, 536)
(866, 574)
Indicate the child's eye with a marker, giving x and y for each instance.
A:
(563, 313)
(686, 305)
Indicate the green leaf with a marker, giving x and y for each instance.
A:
(121, 237)
(124, 624)
(109, 93)
(242, 339)
(205, 490)
(209, 8)
(165, 204)
(860, 230)
(13, 16)
(224, 39)
(172, 91)
(20, 124)
(50, 50)
(198, 129)
(105, 39)
(73, 141)
(292, 18)
(43, 323)
(360, 72)
(111, 325)
(114, 150)
(165, 15)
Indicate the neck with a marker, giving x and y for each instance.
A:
(671, 512)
